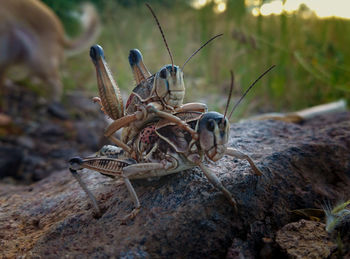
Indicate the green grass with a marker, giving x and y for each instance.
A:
(312, 56)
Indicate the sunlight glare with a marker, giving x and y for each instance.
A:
(326, 9)
(220, 6)
(256, 11)
(321, 8)
(274, 7)
(198, 4)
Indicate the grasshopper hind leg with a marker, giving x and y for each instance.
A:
(133, 194)
(75, 166)
(137, 66)
(109, 92)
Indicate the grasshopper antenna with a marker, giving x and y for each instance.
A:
(250, 87)
(161, 31)
(229, 95)
(194, 53)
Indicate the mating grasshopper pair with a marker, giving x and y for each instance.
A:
(160, 135)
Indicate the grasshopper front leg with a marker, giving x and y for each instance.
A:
(144, 114)
(214, 180)
(235, 153)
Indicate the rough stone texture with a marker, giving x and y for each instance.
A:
(35, 142)
(182, 215)
(305, 239)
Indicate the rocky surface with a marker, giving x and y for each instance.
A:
(37, 139)
(182, 215)
(305, 239)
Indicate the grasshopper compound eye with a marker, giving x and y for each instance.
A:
(163, 73)
(210, 125)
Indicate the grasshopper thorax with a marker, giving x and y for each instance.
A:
(169, 85)
(213, 129)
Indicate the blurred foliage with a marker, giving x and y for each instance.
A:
(65, 10)
(312, 55)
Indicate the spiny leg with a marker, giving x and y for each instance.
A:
(109, 92)
(142, 114)
(74, 167)
(108, 166)
(235, 153)
(130, 171)
(122, 122)
(98, 100)
(118, 124)
(199, 107)
(121, 144)
(214, 180)
(114, 167)
(133, 194)
(149, 154)
(172, 118)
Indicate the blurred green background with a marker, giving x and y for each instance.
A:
(312, 55)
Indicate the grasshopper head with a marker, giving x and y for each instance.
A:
(169, 85)
(213, 129)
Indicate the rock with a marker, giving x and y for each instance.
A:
(50, 130)
(305, 239)
(57, 110)
(83, 105)
(34, 168)
(182, 215)
(5, 120)
(25, 142)
(88, 134)
(239, 249)
(11, 159)
(42, 136)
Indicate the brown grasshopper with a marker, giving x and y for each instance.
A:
(155, 96)
(168, 149)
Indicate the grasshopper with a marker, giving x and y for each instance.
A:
(167, 149)
(155, 96)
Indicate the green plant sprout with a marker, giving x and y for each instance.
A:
(337, 215)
